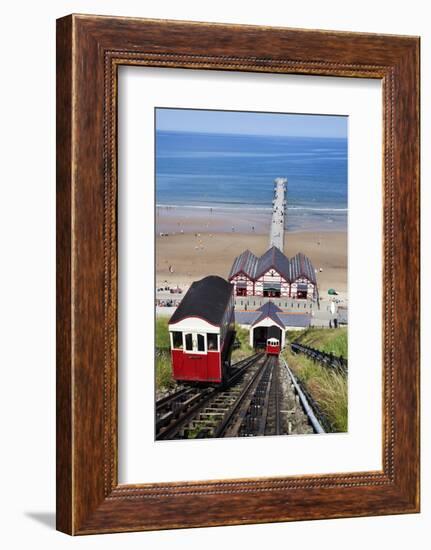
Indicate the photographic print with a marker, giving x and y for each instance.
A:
(251, 304)
(208, 191)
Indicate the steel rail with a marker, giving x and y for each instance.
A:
(265, 408)
(164, 401)
(317, 427)
(187, 413)
(221, 429)
(189, 409)
(161, 403)
(276, 383)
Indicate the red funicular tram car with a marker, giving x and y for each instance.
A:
(202, 332)
(273, 346)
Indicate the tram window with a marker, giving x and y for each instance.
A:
(212, 342)
(201, 342)
(189, 342)
(177, 340)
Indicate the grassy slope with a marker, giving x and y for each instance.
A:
(328, 340)
(162, 333)
(328, 388)
(164, 378)
(245, 349)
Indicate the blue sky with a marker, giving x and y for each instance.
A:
(238, 122)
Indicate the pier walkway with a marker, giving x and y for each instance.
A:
(276, 233)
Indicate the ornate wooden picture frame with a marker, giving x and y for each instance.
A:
(89, 51)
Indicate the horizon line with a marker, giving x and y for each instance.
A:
(247, 134)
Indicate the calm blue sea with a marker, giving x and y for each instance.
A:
(237, 171)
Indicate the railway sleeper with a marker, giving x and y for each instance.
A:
(209, 415)
(192, 400)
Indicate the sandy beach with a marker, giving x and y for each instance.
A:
(175, 219)
(184, 257)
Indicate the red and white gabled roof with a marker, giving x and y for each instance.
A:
(301, 266)
(273, 259)
(253, 267)
(245, 264)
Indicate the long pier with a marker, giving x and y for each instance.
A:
(276, 233)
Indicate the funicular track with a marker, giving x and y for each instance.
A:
(262, 397)
(174, 411)
(249, 414)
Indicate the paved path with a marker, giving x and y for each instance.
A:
(276, 233)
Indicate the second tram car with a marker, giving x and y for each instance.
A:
(273, 346)
(202, 332)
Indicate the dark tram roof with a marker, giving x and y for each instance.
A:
(252, 266)
(207, 299)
